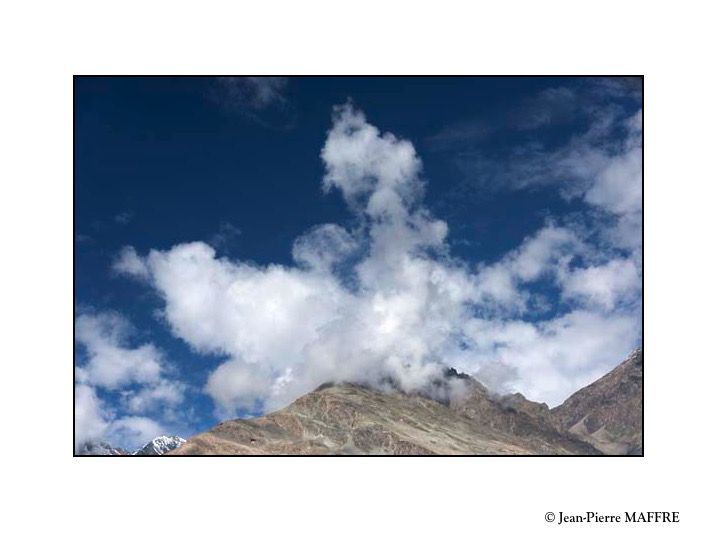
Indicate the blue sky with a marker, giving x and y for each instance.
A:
(239, 241)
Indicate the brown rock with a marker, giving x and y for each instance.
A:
(608, 413)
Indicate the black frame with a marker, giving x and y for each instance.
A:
(642, 292)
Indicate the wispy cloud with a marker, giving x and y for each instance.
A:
(129, 263)
(461, 135)
(602, 111)
(548, 108)
(83, 238)
(226, 236)
(599, 164)
(260, 99)
(551, 106)
(123, 218)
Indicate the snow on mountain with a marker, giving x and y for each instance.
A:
(159, 446)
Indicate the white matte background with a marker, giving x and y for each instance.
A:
(48, 494)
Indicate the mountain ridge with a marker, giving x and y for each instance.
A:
(608, 412)
(352, 419)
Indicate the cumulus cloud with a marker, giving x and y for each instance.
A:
(323, 247)
(376, 170)
(606, 285)
(540, 255)
(555, 254)
(95, 420)
(618, 186)
(90, 419)
(552, 358)
(385, 301)
(132, 432)
(166, 393)
(136, 380)
(110, 364)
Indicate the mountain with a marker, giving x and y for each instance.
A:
(100, 448)
(608, 413)
(351, 419)
(461, 418)
(159, 446)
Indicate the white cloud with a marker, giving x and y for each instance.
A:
(132, 432)
(222, 307)
(618, 186)
(110, 364)
(542, 252)
(362, 163)
(90, 421)
(605, 285)
(96, 421)
(323, 247)
(386, 300)
(138, 377)
(601, 165)
(237, 385)
(166, 394)
(548, 360)
(541, 255)
(129, 263)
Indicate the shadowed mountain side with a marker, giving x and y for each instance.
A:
(348, 419)
(608, 412)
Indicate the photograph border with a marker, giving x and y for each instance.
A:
(208, 76)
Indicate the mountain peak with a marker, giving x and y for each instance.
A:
(608, 412)
(156, 447)
(160, 445)
(349, 419)
(100, 448)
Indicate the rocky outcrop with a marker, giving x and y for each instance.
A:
(349, 419)
(608, 412)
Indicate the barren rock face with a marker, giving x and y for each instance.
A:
(348, 419)
(608, 413)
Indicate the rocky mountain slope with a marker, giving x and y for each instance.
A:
(467, 419)
(608, 413)
(350, 419)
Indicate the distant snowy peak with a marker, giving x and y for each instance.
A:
(157, 447)
(100, 448)
(160, 445)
